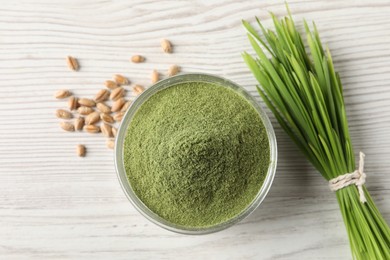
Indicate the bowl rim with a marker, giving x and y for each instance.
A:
(121, 172)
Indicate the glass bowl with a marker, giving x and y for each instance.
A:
(121, 173)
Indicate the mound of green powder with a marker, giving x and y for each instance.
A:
(196, 154)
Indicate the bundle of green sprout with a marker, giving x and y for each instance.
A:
(305, 94)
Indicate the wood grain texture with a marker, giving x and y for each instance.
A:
(55, 205)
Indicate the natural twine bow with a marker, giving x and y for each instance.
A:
(358, 177)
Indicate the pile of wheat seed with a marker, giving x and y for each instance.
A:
(99, 115)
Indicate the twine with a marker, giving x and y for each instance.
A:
(358, 177)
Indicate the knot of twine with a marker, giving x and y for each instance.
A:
(358, 177)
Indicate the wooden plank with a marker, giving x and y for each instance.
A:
(55, 205)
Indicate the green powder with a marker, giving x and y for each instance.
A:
(196, 154)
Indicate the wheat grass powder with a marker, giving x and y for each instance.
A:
(196, 154)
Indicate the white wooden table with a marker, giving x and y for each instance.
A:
(56, 205)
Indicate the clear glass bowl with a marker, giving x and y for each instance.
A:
(120, 169)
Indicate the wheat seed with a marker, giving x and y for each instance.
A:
(67, 126)
(61, 94)
(137, 59)
(80, 150)
(72, 63)
(64, 114)
(166, 46)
